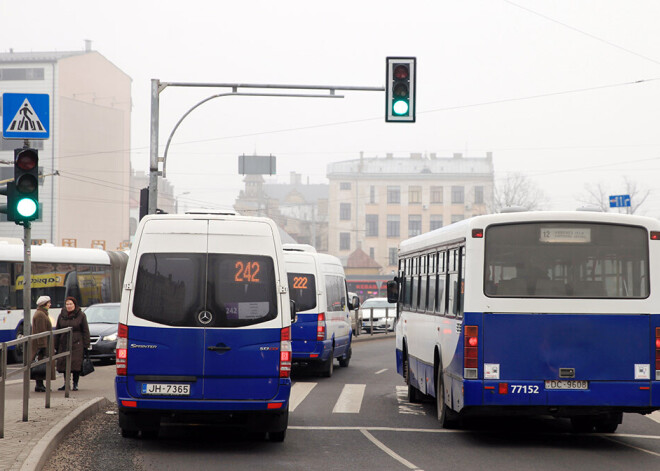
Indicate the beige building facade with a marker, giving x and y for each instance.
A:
(86, 161)
(374, 203)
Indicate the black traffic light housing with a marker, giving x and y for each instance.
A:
(23, 194)
(400, 89)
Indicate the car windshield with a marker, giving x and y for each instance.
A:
(377, 303)
(102, 314)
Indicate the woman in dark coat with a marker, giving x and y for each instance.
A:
(41, 323)
(72, 316)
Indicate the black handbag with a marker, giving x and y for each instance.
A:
(39, 371)
(87, 365)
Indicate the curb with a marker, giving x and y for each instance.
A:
(366, 337)
(42, 451)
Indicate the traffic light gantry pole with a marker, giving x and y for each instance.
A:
(157, 86)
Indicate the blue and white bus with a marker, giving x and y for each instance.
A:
(532, 313)
(90, 275)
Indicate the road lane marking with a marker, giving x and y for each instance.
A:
(375, 429)
(350, 399)
(390, 452)
(299, 392)
(381, 371)
(406, 407)
(631, 446)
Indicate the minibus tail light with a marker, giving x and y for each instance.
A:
(320, 327)
(122, 349)
(470, 351)
(285, 353)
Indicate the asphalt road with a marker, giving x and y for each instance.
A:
(359, 419)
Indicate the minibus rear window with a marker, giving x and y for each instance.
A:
(302, 289)
(234, 289)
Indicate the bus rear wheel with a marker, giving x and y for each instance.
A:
(447, 417)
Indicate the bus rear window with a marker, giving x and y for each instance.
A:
(302, 289)
(566, 260)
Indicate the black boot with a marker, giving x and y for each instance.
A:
(40, 386)
(75, 387)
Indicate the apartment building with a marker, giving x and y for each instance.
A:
(85, 163)
(374, 203)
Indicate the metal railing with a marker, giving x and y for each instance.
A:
(371, 320)
(28, 356)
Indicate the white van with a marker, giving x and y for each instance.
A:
(205, 325)
(322, 331)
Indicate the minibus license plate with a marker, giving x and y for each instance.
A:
(566, 384)
(160, 389)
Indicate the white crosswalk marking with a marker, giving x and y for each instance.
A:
(406, 407)
(350, 399)
(299, 392)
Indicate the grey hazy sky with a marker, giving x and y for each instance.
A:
(547, 86)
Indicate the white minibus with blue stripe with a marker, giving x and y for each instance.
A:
(205, 326)
(532, 313)
(322, 332)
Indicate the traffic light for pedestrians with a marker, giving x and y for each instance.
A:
(400, 90)
(23, 195)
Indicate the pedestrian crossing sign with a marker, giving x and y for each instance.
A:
(25, 116)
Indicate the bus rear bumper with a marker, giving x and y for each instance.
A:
(625, 396)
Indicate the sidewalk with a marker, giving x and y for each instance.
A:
(26, 445)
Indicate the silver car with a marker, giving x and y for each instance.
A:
(380, 314)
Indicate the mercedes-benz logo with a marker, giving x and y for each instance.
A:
(205, 317)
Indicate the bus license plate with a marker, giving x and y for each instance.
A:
(160, 389)
(566, 384)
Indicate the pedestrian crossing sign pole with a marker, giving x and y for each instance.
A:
(25, 116)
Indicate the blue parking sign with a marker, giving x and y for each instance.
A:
(25, 116)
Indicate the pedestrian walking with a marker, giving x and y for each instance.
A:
(72, 316)
(41, 323)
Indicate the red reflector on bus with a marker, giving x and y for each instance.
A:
(129, 403)
(477, 233)
(314, 355)
(504, 388)
(275, 405)
(655, 235)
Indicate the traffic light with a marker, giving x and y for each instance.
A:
(23, 195)
(400, 90)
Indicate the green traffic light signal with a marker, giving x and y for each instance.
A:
(400, 90)
(23, 195)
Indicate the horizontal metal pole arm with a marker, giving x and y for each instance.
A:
(163, 85)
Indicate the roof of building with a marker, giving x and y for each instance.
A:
(359, 259)
(415, 164)
(47, 56)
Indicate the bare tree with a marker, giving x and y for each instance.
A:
(517, 190)
(599, 196)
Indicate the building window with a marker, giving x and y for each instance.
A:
(393, 195)
(457, 195)
(436, 221)
(22, 74)
(457, 217)
(345, 185)
(345, 211)
(392, 256)
(415, 195)
(478, 195)
(372, 194)
(372, 253)
(372, 225)
(436, 194)
(393, 223)
(414, 225)
(344, 241)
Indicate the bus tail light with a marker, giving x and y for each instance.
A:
(657, 353)
(285, 353)
(470, 351)
(320, 327)
(122, 349)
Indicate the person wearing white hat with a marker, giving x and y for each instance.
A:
(41, 323)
